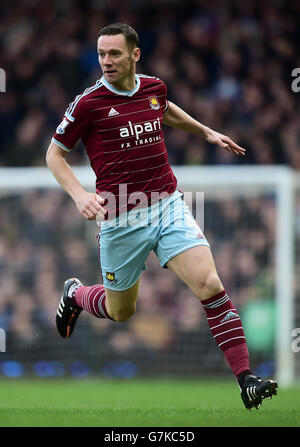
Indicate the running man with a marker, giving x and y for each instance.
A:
(119, 120)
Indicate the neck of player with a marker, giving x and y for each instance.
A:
(127, 84)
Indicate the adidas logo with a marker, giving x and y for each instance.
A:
(229, 316)
(112, 112)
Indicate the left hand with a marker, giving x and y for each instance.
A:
(225, 142)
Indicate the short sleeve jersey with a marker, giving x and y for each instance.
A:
(122, 135)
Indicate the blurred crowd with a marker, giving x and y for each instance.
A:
(169, 332)
(229, 64)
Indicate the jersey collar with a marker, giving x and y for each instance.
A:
(122, 92)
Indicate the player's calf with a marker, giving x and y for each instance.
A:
(121, 304)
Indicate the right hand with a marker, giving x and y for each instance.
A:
(89, 205)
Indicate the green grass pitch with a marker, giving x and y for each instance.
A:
(139, 403)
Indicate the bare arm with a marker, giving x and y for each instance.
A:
(88, 204)
(176, 117)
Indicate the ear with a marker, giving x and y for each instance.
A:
(136, 54)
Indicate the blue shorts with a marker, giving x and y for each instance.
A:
(167, 227)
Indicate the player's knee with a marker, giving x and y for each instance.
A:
(122, 315)
(209, 285)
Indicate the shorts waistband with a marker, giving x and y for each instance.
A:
(144, 213)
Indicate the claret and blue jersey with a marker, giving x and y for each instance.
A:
(123, 137)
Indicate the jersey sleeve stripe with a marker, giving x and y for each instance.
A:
(54, 140)
(149, 77)
(70, 118)
(73, 105)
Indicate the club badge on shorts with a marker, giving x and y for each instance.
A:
(111, 278)
(154, 104)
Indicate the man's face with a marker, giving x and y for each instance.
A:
(117, 61)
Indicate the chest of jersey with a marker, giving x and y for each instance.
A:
(125, 123)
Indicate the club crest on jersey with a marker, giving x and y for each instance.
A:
(154, 104)
(62, 127)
